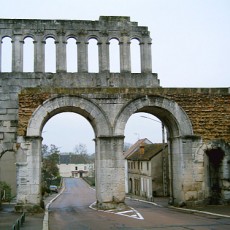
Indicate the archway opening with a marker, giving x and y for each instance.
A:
(6, 55)
(93, 61)
(50, 55)
(146, 156)
(71, 55)
(114, 56)
(28, 55)
(68, 139)
(215, 157)
(135, 56)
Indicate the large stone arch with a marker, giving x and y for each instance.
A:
(29, 147)
(168, 111)
(182, 142)
(80, 105)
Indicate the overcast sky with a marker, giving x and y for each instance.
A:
(190, 48)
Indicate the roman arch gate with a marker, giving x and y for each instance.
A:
(197, 119)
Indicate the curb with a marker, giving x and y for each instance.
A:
(46, 215)
(201, 212)
(182, 209)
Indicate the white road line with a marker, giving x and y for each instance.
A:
(135, 215)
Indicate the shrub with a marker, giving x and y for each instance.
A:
(5, 191)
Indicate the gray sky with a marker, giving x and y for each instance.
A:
(190, 48)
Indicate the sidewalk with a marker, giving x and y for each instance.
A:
(8, 217)
(35, 221)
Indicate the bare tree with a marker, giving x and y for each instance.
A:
(80, 149)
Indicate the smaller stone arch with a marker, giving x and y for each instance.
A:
(74, 36)
(7, 36)
(114, 54)
(135, 52)
(7, 60)
(93, 53)
(92, 36)
(46, 36)
(136, 37)
(113, 37)
(29, 35)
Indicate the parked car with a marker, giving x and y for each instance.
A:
(53, 188)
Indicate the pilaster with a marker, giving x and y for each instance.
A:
(110, 172)
(39, 55)
(28, 173)
(61, 64)
(146, 56)
(82, 49)
(17, 54)
(125, 61)
(103, 55)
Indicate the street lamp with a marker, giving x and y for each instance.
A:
(162, 125)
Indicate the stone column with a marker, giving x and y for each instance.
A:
(110, 175)
(29, 173)
(39, 55)
(146, 56)
(103, 49)
(82, 49)
(17, 54)
(125, 61)
(177, 171)
(61, 55)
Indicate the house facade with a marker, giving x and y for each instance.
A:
(76, 170)
(147, 170)
(73, 165)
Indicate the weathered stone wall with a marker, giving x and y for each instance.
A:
(195, 118)
(208, 109)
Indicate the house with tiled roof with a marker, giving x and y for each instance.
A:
(131, 150)
(73, 165)
(147, 167)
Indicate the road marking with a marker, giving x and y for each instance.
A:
(132, 213)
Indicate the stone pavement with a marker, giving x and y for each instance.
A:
(35, 221)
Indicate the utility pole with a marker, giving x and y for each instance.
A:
(164, 164)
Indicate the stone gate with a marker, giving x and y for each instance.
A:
(197, 119)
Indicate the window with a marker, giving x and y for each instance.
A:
(50, 55)
(71, 55)
(135, 56)
(114, 56)
(93, 56)
(28, 55)
(6, 55)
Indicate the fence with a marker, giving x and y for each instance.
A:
(20, 221)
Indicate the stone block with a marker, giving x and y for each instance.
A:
(191, 195)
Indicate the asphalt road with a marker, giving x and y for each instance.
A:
(71, 210)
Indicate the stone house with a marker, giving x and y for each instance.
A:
(148, 170)
(76, 170)
(75, 166)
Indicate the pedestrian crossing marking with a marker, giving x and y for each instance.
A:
(132, 213)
